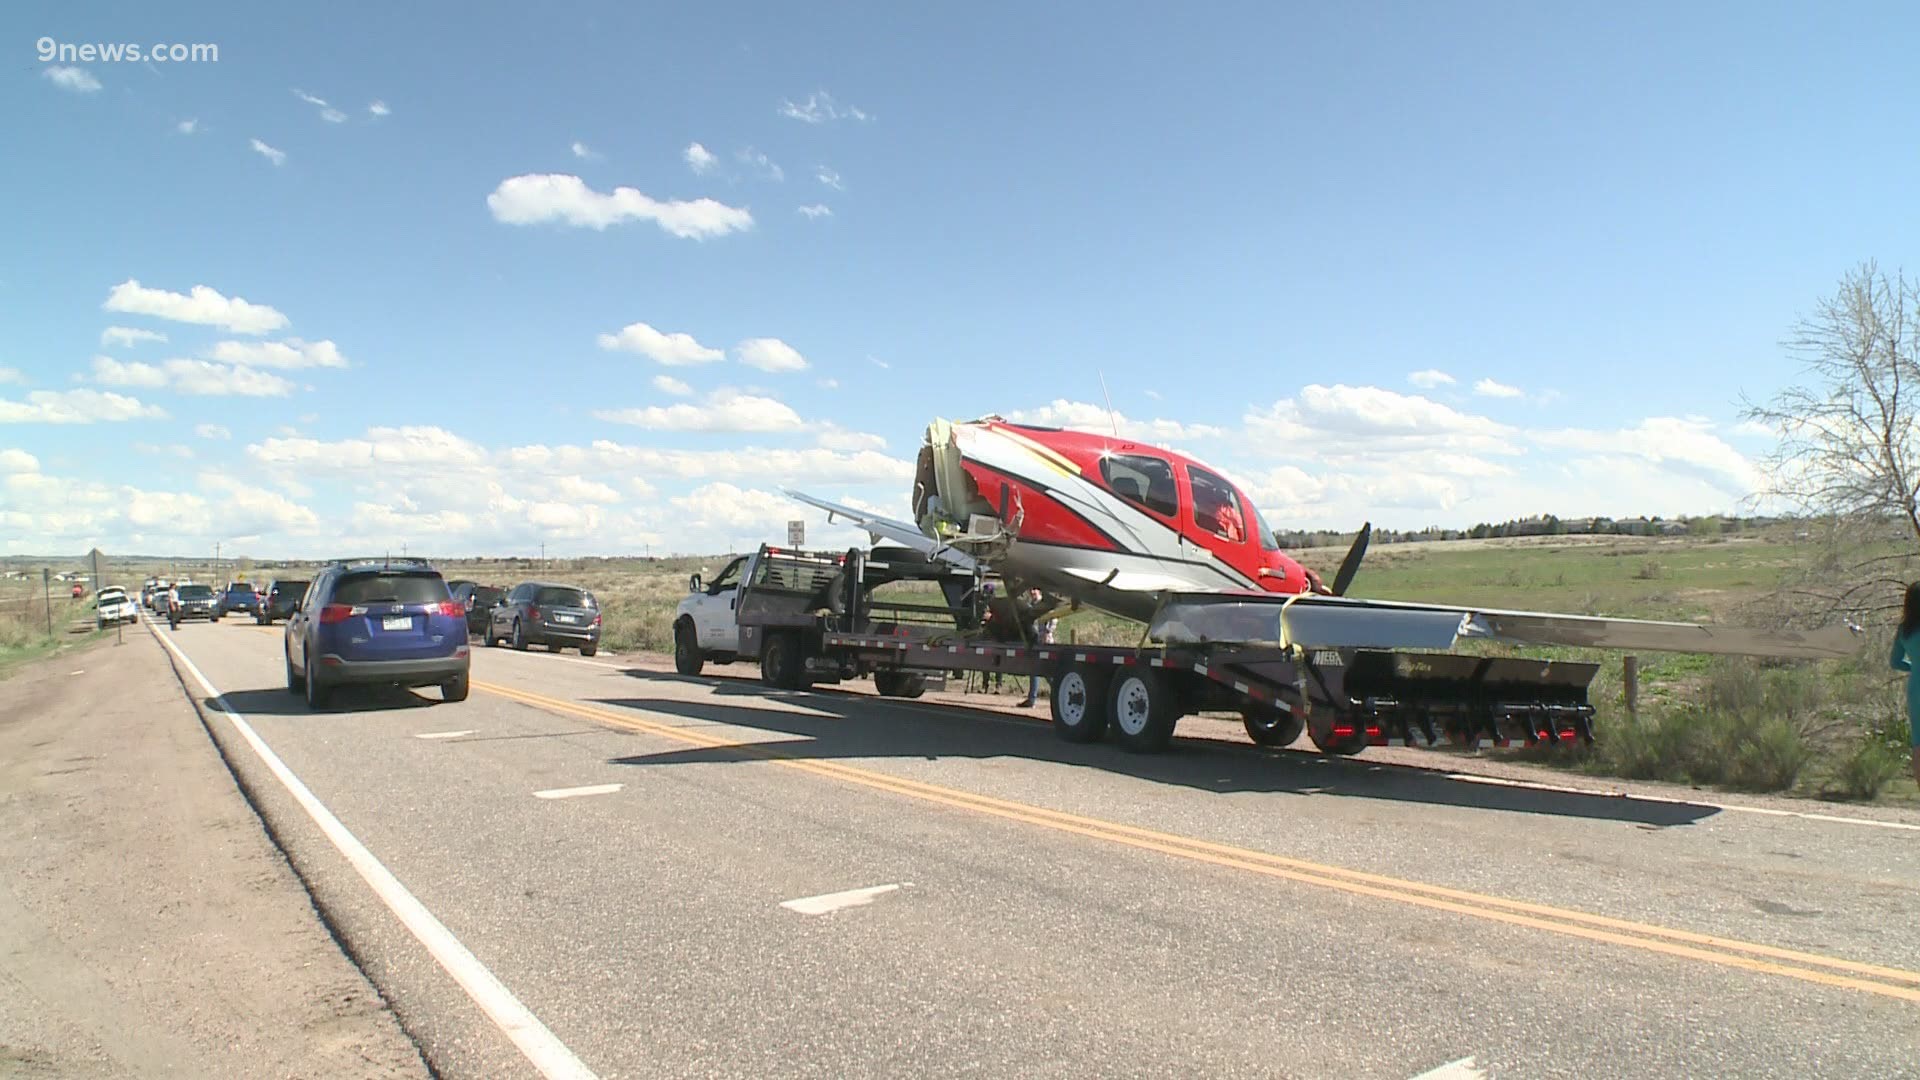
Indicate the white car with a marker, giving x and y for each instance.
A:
(112, 605)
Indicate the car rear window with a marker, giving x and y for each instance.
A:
(239, 588)
(290, 588)
(394, 587)
(195, 592)
(554, 596)
(484, 596)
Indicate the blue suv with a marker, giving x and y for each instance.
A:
(377, 622)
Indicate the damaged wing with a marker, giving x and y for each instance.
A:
(900, 532)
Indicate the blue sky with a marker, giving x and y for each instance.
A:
(1396, 263)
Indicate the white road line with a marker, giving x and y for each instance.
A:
(1765, 811)
(444, 734)
(830, 902)
(547, 1053)
(82, 671)
(576, 792)
(1464, 1069)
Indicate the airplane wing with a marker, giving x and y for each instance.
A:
(900, 532)
(1385, 624)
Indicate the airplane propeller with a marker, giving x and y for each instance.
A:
(1350, 565)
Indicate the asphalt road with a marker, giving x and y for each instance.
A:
(1058, 910)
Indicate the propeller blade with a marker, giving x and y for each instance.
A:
(1350, 565)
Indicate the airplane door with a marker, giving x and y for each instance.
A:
(1217, 523)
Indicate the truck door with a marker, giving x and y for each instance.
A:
(713, 619)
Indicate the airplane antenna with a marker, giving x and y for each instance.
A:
(1112, 416)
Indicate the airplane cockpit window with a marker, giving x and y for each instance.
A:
(1215, 506)
(1144, 481)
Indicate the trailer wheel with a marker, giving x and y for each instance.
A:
(781, 666)
(1270, 725)
(1320, 730)
(1078, 697)
(901, 684)
(1142, 711)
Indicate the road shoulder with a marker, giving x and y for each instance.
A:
(147, 922)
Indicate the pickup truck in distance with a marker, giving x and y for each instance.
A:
(238, 597)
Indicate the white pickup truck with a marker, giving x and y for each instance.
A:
(112, 605)
(704, 627)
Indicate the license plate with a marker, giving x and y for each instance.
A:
(563, 618)
(397, 622)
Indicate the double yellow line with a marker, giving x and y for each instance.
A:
(1684, 944)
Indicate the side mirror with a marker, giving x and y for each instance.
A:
(693, 585)
(500, 602)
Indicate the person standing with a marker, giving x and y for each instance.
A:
(1042, 635)
(1906, 648)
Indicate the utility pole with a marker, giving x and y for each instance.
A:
(216, 561)
(543, 554)
(46, 586)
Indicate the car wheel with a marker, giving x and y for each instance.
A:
(295, 684)
(686, 651)
(519, 637)
(317, 692)
(454, 689)
(553, 646)
(589, 650)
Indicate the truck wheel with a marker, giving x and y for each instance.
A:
(1142, 711)
(1270, 725)
(1079, 703)
(686, 651)
(1320, 730)
(782, 666)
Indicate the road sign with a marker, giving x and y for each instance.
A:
(796, 533)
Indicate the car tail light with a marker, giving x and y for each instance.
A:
(453, 609)
(533, 612)
(337, 613)
(596, 618)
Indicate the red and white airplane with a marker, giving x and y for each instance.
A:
(1131, 529)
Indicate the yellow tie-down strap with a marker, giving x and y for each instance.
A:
(1286, 639)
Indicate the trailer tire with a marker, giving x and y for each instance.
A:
(1270, 725)
(1320, 730)
(782, 666)
(1141, 711)
(686, 650)
(1078, 701)
(900, 684)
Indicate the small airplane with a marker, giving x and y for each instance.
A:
(1161, 538)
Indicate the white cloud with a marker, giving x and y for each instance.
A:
(1489, 388)
(760, 164)
(383, 448)
(770, 354)
(12, 375)
(879, 363)
(667, 384)
(278, 157)
(170, 450)
(198, 377)
(575, 488)
(333, 116)
(189, 126)
(203, 306)
(817, 210)
(820, 108)
(1086, 416)
(128, 337)
(1686, 446)
(1756, 428)
(327, 112)
(782, 466)
(725, 506)
(1323, 414)
(18, 461)
(76, 407)
(291, 354)
(673, 350)
(583, 151)
(724, 411)
(378, 108)
(310, 99)
(538, 198)
(699, 158)
(835, 437)
(1430, 378)
(78, 80)
(246, 508)
(829, 177)
(212, 431)
(828, 384)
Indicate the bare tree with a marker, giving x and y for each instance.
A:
(1847, 456)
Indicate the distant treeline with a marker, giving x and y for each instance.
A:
(1543, 525)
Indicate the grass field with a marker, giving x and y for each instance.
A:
(1832, 729)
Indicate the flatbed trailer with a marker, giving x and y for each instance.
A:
(810, 618)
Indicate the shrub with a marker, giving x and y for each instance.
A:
(1863, 774)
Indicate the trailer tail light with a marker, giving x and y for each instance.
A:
(1343, 731)
(338, 613)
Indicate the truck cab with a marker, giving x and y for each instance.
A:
(704, 625)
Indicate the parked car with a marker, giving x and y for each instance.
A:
(380, 622)
(280, 601)
(546, 613)
(112, 605)
(239, 597)
(478, 599)
(191, 602)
